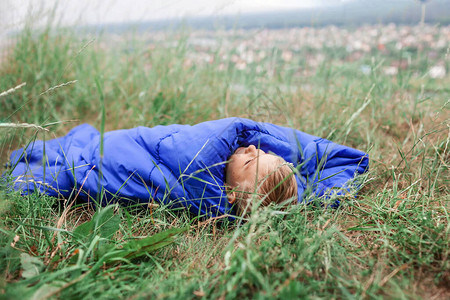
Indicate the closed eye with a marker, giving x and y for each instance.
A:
(250, 160)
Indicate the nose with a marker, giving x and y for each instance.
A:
(250, 150)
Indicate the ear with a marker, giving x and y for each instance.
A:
(231, 195)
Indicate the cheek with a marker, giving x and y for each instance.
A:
(234, 177)
(230, 175)
(235, 164)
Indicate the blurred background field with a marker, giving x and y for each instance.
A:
(378, 86)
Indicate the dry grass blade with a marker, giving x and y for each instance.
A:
(22, 125)
(12, 90)
(392, 274)
(67, 208)
(62, 219)
(57, 87)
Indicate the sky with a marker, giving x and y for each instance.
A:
(70, 12)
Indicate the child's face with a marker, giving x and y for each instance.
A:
(247, 165)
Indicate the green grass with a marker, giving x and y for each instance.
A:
(392, 241)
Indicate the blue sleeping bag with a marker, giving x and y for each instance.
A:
(180, 165)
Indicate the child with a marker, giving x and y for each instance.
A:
(252, 170)
(185, 165)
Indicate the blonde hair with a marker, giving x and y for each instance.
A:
(278, 186)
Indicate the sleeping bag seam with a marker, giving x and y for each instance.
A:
(159, 162)
(157, 155)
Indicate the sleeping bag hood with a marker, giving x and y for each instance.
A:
(178, 165)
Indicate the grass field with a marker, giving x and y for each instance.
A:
(384, 90)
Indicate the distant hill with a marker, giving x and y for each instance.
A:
(351, 13)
